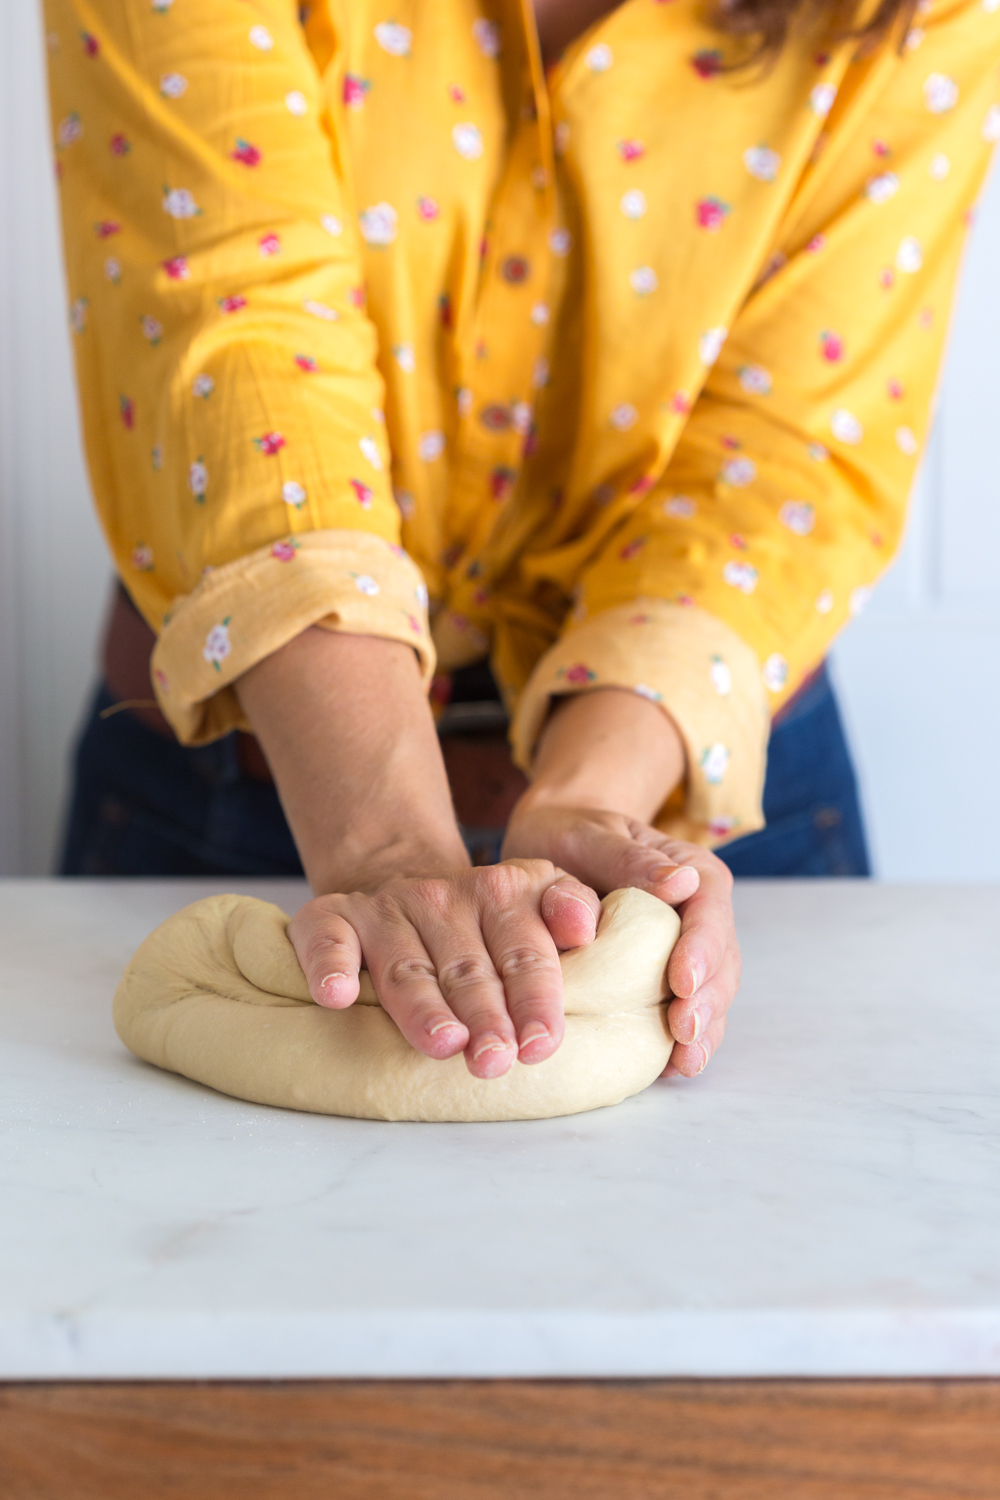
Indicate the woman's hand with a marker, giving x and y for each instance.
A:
(464, 961)
(609, 850)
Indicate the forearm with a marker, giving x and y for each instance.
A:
(610, 750)
(346, 728)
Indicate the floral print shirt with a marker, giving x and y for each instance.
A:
(618, 373)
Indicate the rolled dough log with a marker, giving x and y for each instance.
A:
(216, 993)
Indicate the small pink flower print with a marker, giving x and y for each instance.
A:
(739, 542)
(284, 551)
(710, 214)
(69, 131)
(119, 145)
(720, 828)
(415, 624)
(232, 304)
(91, 45)
(105, 228)
(887, 277)
(580, 672)
(894, 390)
(365, 495)
(217, 644)
(428, 208)
(707, 62)
(152, 329)
(639, 619)
(270, 443)
(501, 482)
(925, 317)
(356, 296)
(142, 558)
(127, 408)
(495, 418)
(456, 94)
(246, 153)
(680, 402)
(355, 90)
(515, 269)
(831, 346)
(177, 268)
(881, 148)
(731, 443)
(642, 484)
(161, 679)
(631, 149)
(632, 549)
(269, 244)
(816, 244)
(306, 364)
(821, 59)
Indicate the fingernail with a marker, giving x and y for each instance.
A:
(490, 1044)
(664, 872)
(569, 896)
(705, 1054)
(697, 977)
(532, 1032)
(328, 984)
(444, 1026)
(696, 1018)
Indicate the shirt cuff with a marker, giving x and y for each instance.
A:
(242, 612)
(706, 678)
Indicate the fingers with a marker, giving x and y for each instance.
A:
(690, 1060)
(707, 926)
(571, 911)
(329, 952)
(625, 853)
(691, 1018)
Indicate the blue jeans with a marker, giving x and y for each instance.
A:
(143, 805)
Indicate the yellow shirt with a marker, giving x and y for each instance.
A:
(634, 360)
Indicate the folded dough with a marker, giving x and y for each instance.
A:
(216, 993)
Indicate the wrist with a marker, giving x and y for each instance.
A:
(368, 867)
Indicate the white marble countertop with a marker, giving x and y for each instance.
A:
(824, 1200)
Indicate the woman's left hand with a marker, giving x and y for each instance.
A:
(609, 850)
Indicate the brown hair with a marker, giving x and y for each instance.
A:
(765, 25)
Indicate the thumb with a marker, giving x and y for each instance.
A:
(329, 951)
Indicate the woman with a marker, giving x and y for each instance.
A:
(630, 349)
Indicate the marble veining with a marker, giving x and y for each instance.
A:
(822, 1201)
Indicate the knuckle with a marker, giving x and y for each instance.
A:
(320, 950)
(465, 971)
(404, 971)
(517, 962)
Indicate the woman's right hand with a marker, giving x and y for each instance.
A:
(465, 961)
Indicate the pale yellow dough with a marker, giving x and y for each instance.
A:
(216, 993)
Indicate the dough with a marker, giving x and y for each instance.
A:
(216, 993)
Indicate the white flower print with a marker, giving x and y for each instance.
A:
(680, 506)
(940, 93)
(540, 314)
(710, 344)
(906, 441)
(560, 242)
(721, 676)
(859, 600)
(824, 601)
(406, 503)
(296, 103)
(540, 372)
(366, 584)
(714, 762)
(379, 224)
(113, 269)
(162, 6)
(467, 141)
(775, 673)
(939, 166)
(393, 38)
(142, 558)
(633, 204)
(179, 203)
(486, 35)
(320, 310)
(69, 131)
(742, 576)
(798, 515)
(405, 357)
(261, 38)
(914, 37)
(217, 645)
(845, 426)
(909, 256)
(755, 379)
(599, 58)
(198, 479)
(173, 85)
(369, 448)
(421, 595)
(739, 472)
(520, 413)
(332, 224)
(202, 386)
(430, 445)
(152, 329)
(623, 416)
(991, 125)
(761, 162)
(881, 188)
(463, 400)
(818, 452)
(156, 458)
(561, 137)
(293, 493)
(643, 280)
(822, 98)
(991, 5)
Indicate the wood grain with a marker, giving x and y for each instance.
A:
(502, 1440)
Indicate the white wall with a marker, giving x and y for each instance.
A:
(920, 673)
